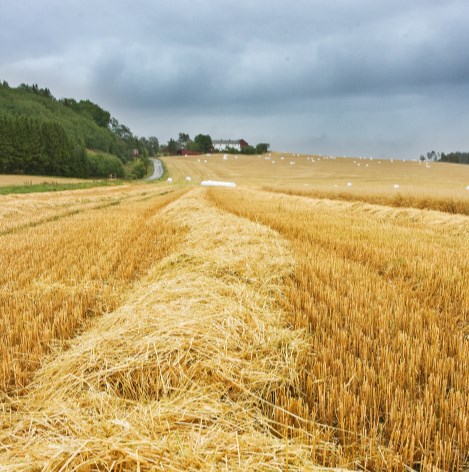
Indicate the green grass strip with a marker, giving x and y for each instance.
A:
(55, 187)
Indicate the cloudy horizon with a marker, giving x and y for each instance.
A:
(374, 78)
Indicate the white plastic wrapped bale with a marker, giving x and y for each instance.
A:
(216, 183)
(170, 179)
(396, 186)
(188, 179)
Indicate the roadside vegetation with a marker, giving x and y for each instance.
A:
(53, 186)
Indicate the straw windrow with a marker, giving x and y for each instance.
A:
(179, 378)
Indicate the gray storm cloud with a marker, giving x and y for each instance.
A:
(361, 77)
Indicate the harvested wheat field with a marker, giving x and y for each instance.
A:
(172, 327)
(9, 180)
(437, 186)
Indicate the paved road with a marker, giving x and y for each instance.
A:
(157, 170)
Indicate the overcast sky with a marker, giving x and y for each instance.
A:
(343, 77)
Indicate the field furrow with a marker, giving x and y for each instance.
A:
(383, 295)
(57, 274)
(182, 376)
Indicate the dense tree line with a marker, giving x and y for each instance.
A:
(42, 135)
(457, 157)
(260, 148)
(454, 157)
(30, 147)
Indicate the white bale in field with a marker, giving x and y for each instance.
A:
(188, 179)
(292, 163)
(467, 188)
(396, 186)
(217, 183)
(170, 179)
(282, 158)
(198, 160)
(205, 162)
(273, 162)
(349, 184)
(225, 157)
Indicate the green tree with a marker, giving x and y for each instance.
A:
(172, 147)
(262, 148)
(103, 165)
(203, 143)
(184, 141)
(137, 169)
(153, 146)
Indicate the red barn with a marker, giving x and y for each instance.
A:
(186, 152)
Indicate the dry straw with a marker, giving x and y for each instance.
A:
(74, 260)
(450, 202)
(182, 377)
(383, 294)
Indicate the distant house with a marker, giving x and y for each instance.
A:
(222, 144)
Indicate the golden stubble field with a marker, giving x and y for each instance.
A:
(170, 327)
(312, 172)
(9, 180)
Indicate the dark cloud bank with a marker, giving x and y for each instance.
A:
(358, 78)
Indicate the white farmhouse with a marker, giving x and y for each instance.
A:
(223, 144)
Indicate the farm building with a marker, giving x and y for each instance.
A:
(186, 152)
(222, 144)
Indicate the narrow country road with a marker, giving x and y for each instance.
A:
(157, 170)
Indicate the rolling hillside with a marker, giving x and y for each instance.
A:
(40, 135)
